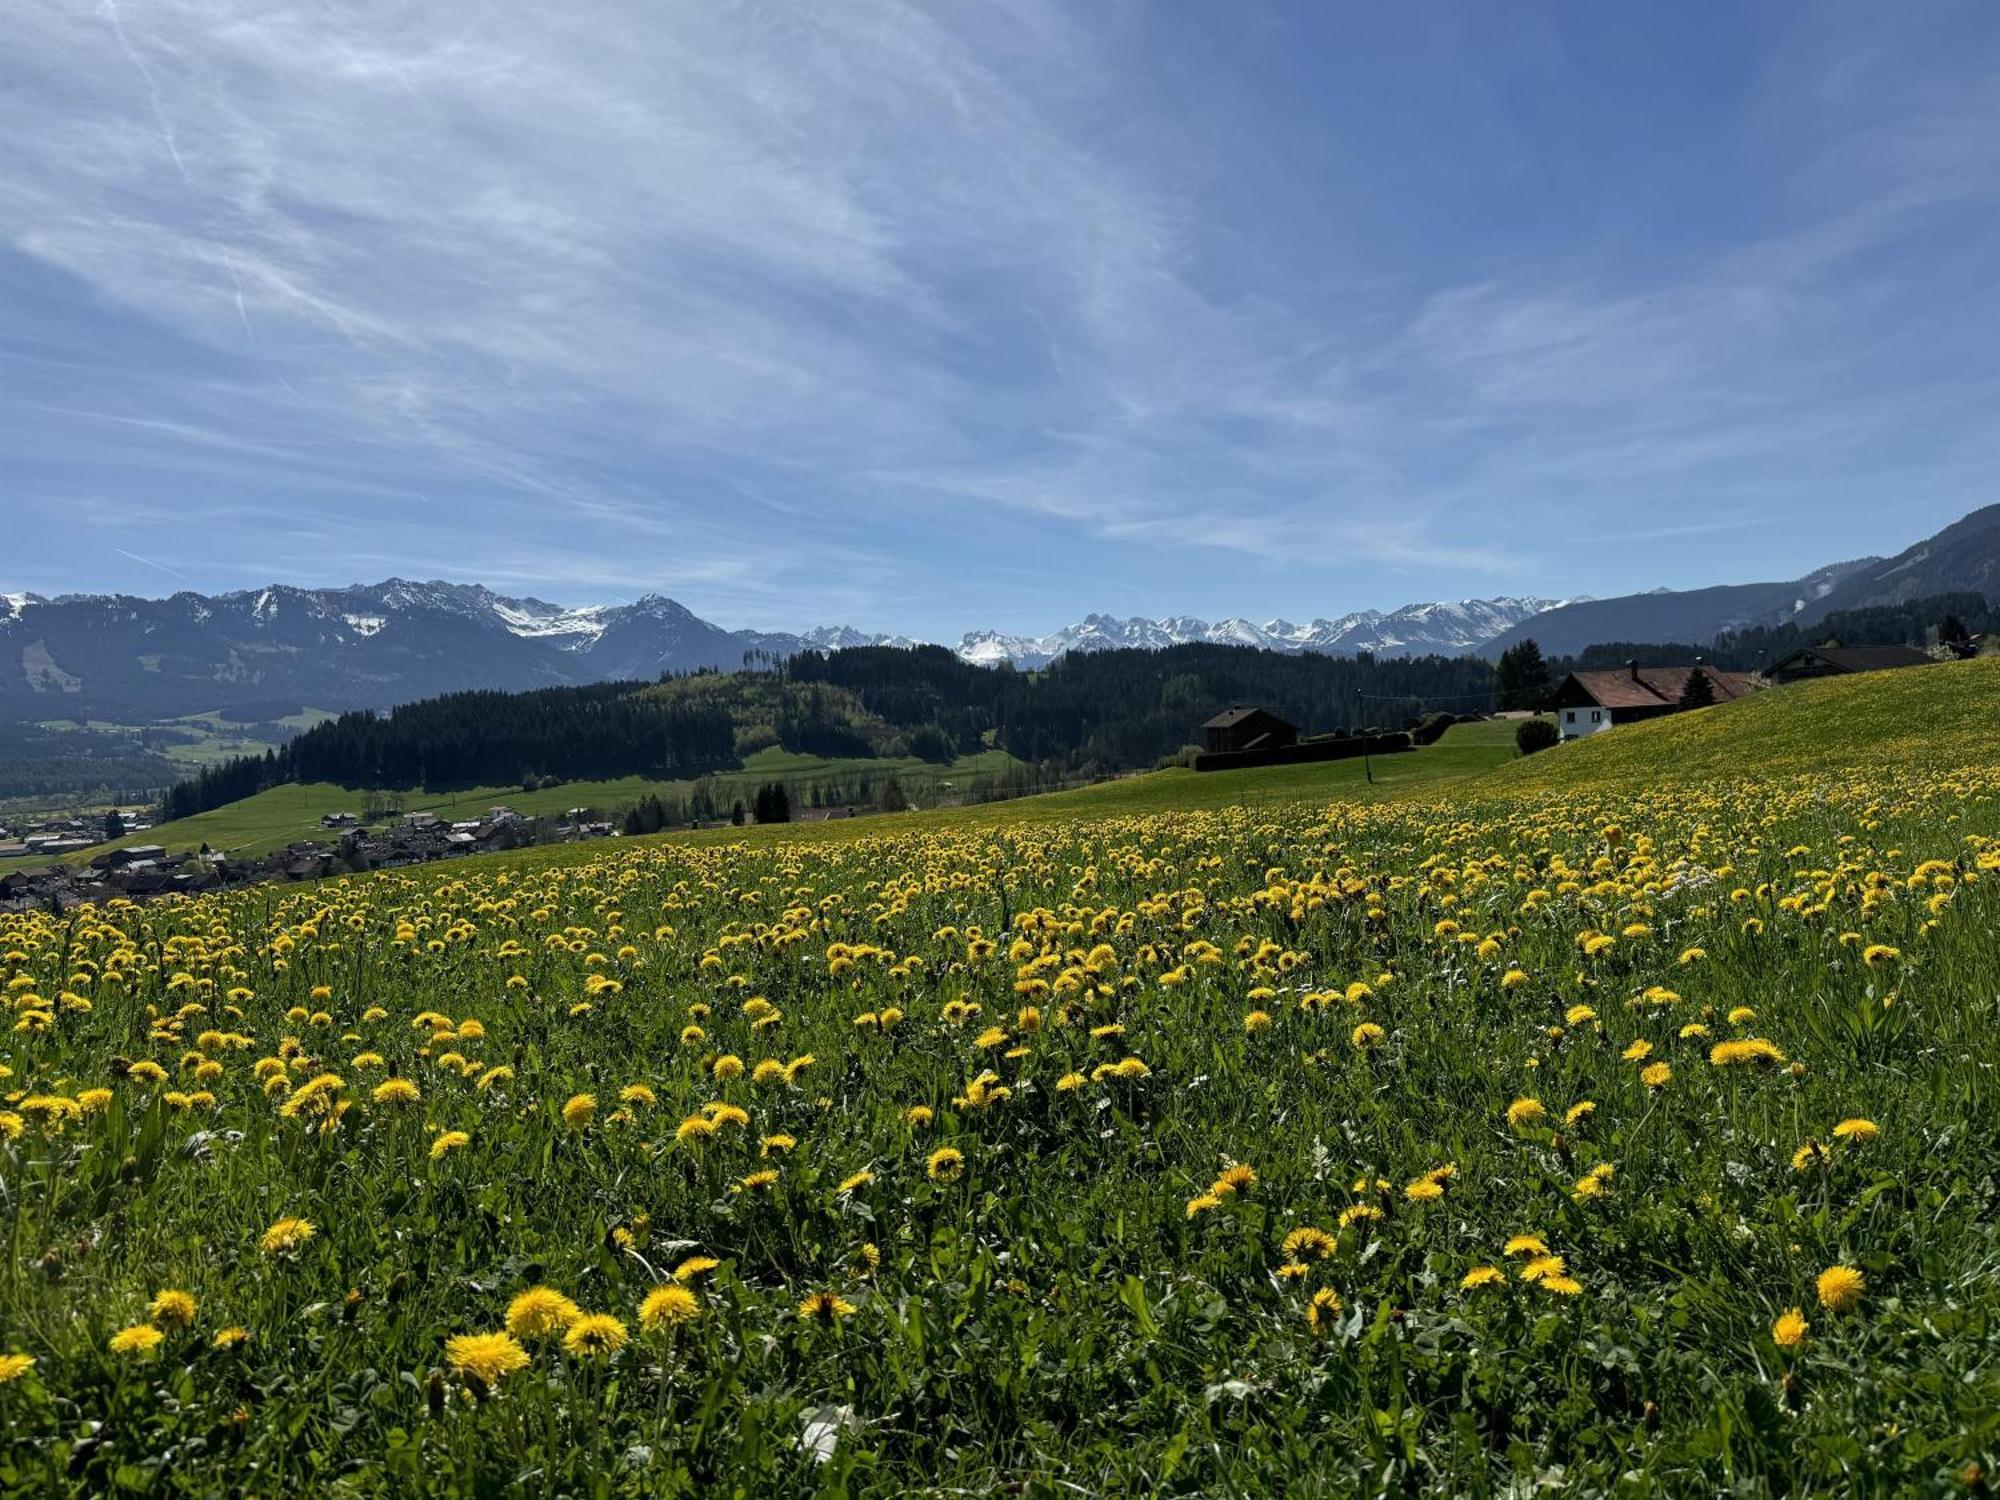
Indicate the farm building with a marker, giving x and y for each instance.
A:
(1247, 728)
(1837, 661)
(1588, 702)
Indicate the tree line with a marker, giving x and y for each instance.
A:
(482, 738)
(1085, 714)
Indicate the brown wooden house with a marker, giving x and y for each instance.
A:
(1837, 661)
(1241, 727)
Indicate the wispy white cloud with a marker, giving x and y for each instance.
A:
(802, 307)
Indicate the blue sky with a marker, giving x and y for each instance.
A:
(931, 317)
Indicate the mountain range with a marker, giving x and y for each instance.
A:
(1964, 557)
(269, 651)
(1414, 630)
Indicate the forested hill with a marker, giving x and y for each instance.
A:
(1085, 714)
(1111, 710)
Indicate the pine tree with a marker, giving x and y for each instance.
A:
(1699, 692)
(1521, 677)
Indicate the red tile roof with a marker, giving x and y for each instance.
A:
(1650, 687)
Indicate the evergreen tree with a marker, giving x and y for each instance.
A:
(1521, 677)
(1699, 692)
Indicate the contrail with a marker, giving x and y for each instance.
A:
(170, 572)
(152, 91)
(229, 264)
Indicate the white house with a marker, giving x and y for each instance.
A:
(1589, 702)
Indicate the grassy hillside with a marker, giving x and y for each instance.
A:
(1292, 1136)
(1922, 716)
(274, 818)
(1464, 753)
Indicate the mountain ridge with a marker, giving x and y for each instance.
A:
(131, 659)
(1963, 557)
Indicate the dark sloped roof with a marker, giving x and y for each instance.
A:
(1860, 658)
(1235, 714)
(1649, 687)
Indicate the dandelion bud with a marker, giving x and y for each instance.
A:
(397, 1287)
(351, 1308)
(1650, 1415)
(434, 1395)
(51, 1264)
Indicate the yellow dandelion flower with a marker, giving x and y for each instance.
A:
(172, 1309)
(594, 1335)
(139, 1340)
(485, 1356)
(667, 1308)
(825, 1307)
(1840, 1288)
(287, 1236)
(539, 1312)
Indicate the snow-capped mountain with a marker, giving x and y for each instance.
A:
(364, 646)
(1446, 628)
(845, 637)
(266, 652)
(273, 650)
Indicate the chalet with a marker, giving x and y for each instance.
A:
(1587, 702)
(1247, 728)
(340, 820)
(1838, 661)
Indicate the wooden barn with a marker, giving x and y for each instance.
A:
(1837, 661)
(1246, 727)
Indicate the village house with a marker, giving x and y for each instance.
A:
(1837, 661)
(1590, 702)
(1241, 727)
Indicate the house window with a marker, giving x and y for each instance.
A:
(1594, 716)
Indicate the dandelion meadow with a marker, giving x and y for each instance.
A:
(1610, 1138)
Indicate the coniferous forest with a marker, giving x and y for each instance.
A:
(1085, 714)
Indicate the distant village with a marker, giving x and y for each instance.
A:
(1584, 703)
(141, 871)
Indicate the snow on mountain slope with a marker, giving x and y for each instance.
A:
(1446, 627)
